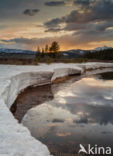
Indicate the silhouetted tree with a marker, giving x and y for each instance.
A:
(46, 48)
(38, 49)
(106, 54)
(54, 47)
(43, 50)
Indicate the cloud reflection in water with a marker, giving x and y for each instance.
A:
(81, 112)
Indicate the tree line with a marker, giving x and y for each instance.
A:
(53, 48)
(100, 55)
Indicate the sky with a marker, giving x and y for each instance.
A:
(75, 24)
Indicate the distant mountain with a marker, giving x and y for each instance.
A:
(77, 53)
(69, 54)
(74, 53)
(16, 54)
(102, 48)
(14, 51)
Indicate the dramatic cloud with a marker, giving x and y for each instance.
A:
(31, 12)
(66, 41)
(99, 10)
(54, 23)
(83, 2)
(82, 120)
(55, 3)
(80, 23)
(53, 30)
(81, 38)
(91, 21)
(57, 120)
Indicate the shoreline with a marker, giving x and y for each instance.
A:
(14, 79)
(19, 113)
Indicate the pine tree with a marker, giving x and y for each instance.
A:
(38, 49)
(43, 50)
(54, 47)
(46, 48)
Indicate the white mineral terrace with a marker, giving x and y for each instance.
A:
(15, 139)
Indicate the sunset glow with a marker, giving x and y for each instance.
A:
(75, 24)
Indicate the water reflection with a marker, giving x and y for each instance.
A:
(106, 76)
(81, 112)
(31, 97)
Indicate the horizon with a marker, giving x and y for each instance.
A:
(59, 50)
(75, 24)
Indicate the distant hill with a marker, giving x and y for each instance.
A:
(74, 53)
(104, 53)
(28, 54)
(4, 50)
(101, 48)
(16, 54)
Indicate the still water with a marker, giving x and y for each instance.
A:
(79, 112)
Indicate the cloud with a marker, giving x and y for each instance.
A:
(57, 120)
(31, 12)
(54, 22)
(66, 41)
(85, 34)
(99, 10)
(83, 3)
(55, 3)
(63, 134)
(83, 37)
(11, 10)
(90, 21)
(3, 26)
(82, 120)
(53, 30)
